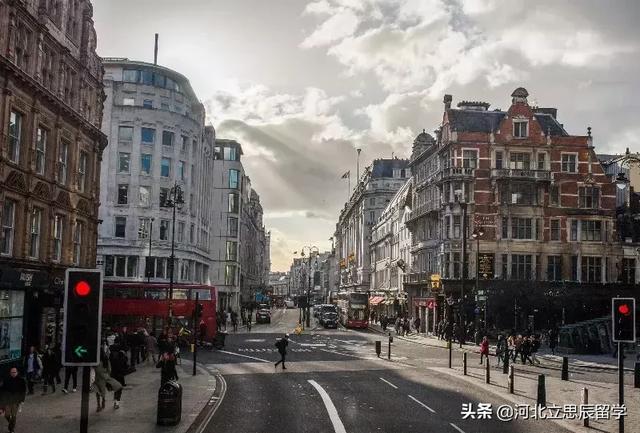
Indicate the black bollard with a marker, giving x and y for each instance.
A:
(487, 372)
(565, 368)
(636, 375)
(505, 364)
(390, 341)
(464, 363)
(542, 391)
(510, 379)
(450, 344)
(378, 348)
(585, 401)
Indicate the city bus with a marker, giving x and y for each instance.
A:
(145, 305)
(353, 309)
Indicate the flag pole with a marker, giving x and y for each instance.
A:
(349, 190)
(358, 166)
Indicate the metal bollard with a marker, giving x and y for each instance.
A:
(505, 364)
(449, 345)
(636, 375)
(542, 391)
(464, 363)
(487, 372)
(565, 368)
(585, 401)
(378, 347)
(510, 378)
(390, 341)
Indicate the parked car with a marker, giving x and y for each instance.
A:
(263, 315)
(289, 303)
(316, 310)
(329, 320)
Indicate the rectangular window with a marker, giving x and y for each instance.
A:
(232, 223)
(589, 197)
(148, 135)
(554, 195)
(192, 234)
(193, 175)
(145, 195)
(161, 265)
(185, 144)
(123, 194)
(554, 268)
(34, 241)
(230, 154)
(130, 75)
(234, 205)
(164, 197)
(147, 77)
(63, 156)
(121, 227)
(165, 167)
(569, 164)
(499, 159)
(456, 226)
(521, 228)
(132, 266)
(167, 138)
(164, 230)
(164, 106)
(555, 229)
(574, 230)
(230, 275)
(147, 103)
(574, 268)
(591, 230)
(77, 243)
(180, 232)
(591, 269)
(128, 101)
(145, 163)
(372, 217)
(470, 158)
(234, 179)
(8, 226)
(58, 225)
(41, 150)
(520, 128)
(15, 137)
(82, 170)
(520, 160)
(182, 170)
(523, 193)
(521, 267)
(232, 251)
(542, 161)
(628, 271)
(125, 133)
(124, 162)
(120, 266)
(505, 266)
(144, 229)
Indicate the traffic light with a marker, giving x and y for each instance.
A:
(82, 317)
(624, 320)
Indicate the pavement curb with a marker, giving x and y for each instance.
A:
(204, 417)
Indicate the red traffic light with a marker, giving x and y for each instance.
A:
(82, 288)
(624, 309)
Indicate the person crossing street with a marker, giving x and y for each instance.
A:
(13, 393)
(282, 344)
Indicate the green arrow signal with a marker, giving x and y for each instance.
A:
(80, 351)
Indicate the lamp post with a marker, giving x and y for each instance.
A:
(477, 234)
(463, 206)
(311, 250)
(175, 201)
(148, 265)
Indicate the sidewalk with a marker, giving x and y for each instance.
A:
(60, 413)
(606, 362)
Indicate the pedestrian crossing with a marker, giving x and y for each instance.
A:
(271, 350)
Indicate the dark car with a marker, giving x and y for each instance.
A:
(263, 316)
(330, 320)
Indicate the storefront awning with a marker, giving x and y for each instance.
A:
(375, 300)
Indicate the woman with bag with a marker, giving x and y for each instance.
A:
(167, 364)
(102, 379)
(119, 369)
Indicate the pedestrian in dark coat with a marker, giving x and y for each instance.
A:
(525, 351)
(33, 367)
(167, 364)
(282, 344)
(49, 368)
(12, 394)
(119, 369)
(70, 372)
(57, 351)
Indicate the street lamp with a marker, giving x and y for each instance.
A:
(463, 206)
(174, 201)
(477, 234)
(311, 250)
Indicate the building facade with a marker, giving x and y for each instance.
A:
(159, 156)
(374, 191)
(253, 246)
(51, 111)
(279, 283)
(526, 201)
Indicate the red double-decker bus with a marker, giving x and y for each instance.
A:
(145, 305)
(353, 309)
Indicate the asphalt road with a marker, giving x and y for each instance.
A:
(334, 382)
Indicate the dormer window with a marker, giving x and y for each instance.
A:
(520, 128)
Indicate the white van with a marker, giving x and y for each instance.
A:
(289, 303)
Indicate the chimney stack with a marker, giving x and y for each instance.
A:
(447, 101)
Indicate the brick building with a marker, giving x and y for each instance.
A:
(51, 111)
(539, 209)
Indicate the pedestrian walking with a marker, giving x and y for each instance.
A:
(416, 324)
(119, 369)
(49, 367)
(12, 394)
(383, 323)
(33, 367)
(102, 378)
(484, 349)
(227, 319)
(517, 348)
(57, 351)
(525, 351)
(167, 364)
(151, 344)
(535, 346)
(70, 373)
(553, 341)
(501, 347)
(282, 344)
(234, 321)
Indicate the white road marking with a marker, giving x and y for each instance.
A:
(255, 340)
(388, 383)
(456, 427)
(312, 344)
(331, 409)
(422, 404)
(244, 356)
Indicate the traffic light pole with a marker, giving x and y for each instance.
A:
(195, 332)
(621, 384)
(84, 402)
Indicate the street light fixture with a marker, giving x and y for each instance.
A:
(463, 205)
(477, 234)
(175, 201)
(311, 250)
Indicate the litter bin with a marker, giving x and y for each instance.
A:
(169, 403)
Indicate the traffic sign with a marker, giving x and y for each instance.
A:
(82, 317)
(623, 316)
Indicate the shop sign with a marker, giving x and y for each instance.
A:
(485, 265)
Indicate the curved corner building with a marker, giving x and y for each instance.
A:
(157, 139)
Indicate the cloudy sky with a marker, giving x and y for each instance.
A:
(302, 84)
